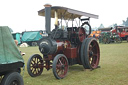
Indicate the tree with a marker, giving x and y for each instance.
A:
(101, 26)
(114, 25)
(125, 23)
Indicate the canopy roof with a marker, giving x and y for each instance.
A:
(105, 29)
(67, 13)
(122, 27)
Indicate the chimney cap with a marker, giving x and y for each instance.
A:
(47, 5)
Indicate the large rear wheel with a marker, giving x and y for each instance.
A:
(82, 52)
(90, 53)
(35, 65)
(60, 66)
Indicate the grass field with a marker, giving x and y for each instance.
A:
(113, 71)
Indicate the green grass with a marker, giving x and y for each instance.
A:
(113, 71)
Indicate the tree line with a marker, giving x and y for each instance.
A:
(124, 23)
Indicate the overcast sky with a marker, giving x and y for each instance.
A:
(21, 15)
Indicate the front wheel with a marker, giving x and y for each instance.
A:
(34, 43)
(60, 66)
(13, 78)
(35, 65)
(118, 40)
(127, 39)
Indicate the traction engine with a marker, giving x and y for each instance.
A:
(62, 48)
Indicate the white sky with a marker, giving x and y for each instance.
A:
(21, 15)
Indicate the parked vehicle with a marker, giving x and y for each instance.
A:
(31, 37)
(64, 47)
(104, 37)
(121, 31)
(109, 37)
(17, 36)
(95, 34)
(11, 60)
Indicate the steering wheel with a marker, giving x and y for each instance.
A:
(84, 25)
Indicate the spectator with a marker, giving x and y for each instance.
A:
(94, 36)
(16, 42)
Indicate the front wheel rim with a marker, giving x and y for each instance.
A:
(60, 66)
(35, 65)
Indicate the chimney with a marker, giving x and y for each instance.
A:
(48, 18)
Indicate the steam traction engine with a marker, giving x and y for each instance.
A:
(65, 46)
